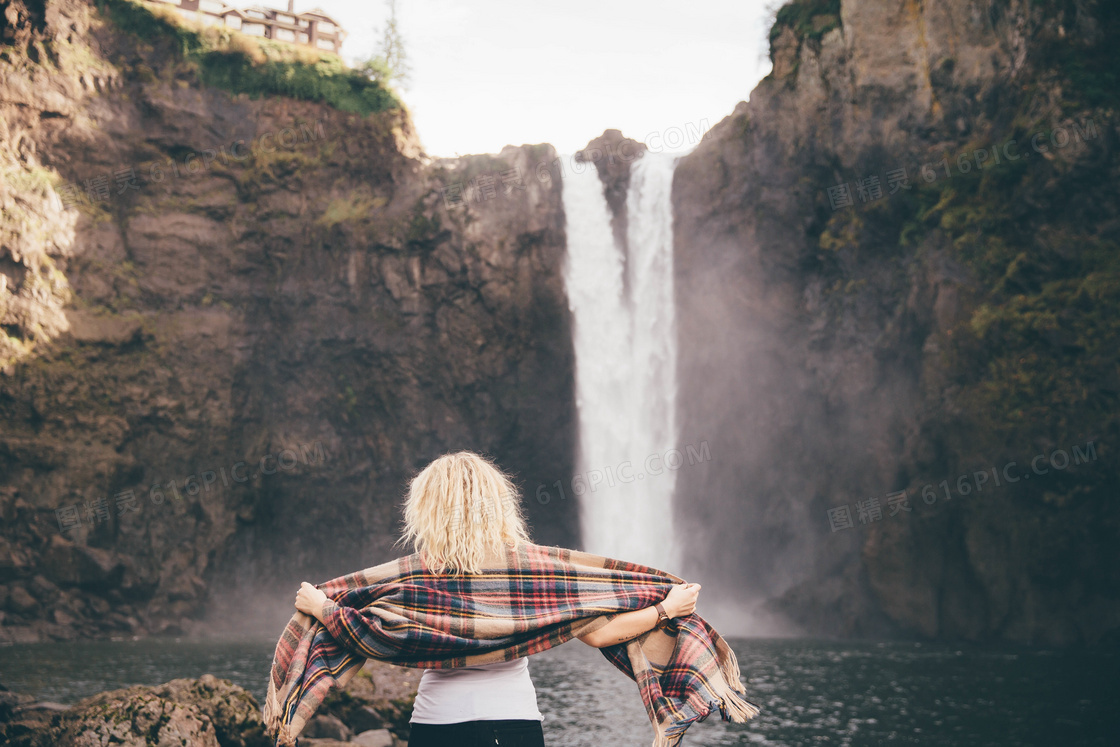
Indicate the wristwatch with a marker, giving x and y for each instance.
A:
(663, 618)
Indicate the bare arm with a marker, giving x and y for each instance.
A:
(681, 601)
(622, 628)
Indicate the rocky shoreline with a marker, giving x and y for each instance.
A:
(372, 711)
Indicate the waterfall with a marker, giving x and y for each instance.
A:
(625, 347)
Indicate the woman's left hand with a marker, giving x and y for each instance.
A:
(310, 600)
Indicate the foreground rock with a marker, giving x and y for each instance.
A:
(204, 712)
(372, 711)
(379, 697)
(21, 715)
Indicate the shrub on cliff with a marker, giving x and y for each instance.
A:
(809, 19)
(234, 62)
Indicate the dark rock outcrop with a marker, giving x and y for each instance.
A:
(613, 154)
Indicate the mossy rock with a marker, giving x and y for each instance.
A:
(237, 63)
(203, 712)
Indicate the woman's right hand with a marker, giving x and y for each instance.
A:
(681, 600)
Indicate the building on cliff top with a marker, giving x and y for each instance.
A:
(313, 28)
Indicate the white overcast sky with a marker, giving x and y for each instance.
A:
(487, 73)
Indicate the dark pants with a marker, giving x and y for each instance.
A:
(478, 734)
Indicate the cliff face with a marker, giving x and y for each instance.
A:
(949, 310)
(259, 315)
(896, 272)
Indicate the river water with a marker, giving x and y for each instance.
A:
(811, 692)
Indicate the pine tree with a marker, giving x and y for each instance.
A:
(389, 65)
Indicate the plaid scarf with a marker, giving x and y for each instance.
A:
(539, 597)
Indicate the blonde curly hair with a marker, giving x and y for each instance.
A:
(460, 509)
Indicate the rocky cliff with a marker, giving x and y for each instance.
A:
(240, 306)
(897, 271)
(235, 324)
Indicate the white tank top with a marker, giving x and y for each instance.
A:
(485, 692)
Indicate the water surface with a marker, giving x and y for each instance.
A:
(811, 692)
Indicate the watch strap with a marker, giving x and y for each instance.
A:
(662, 616)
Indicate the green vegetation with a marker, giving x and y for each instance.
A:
(421, 226)
(327, 80)
(1034, 357)
(1039, 350)
(809, 19)
(240, 64)
(263, 169)
(359, 205)
(390, 63)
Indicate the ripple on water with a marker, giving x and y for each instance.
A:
(811, 692)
